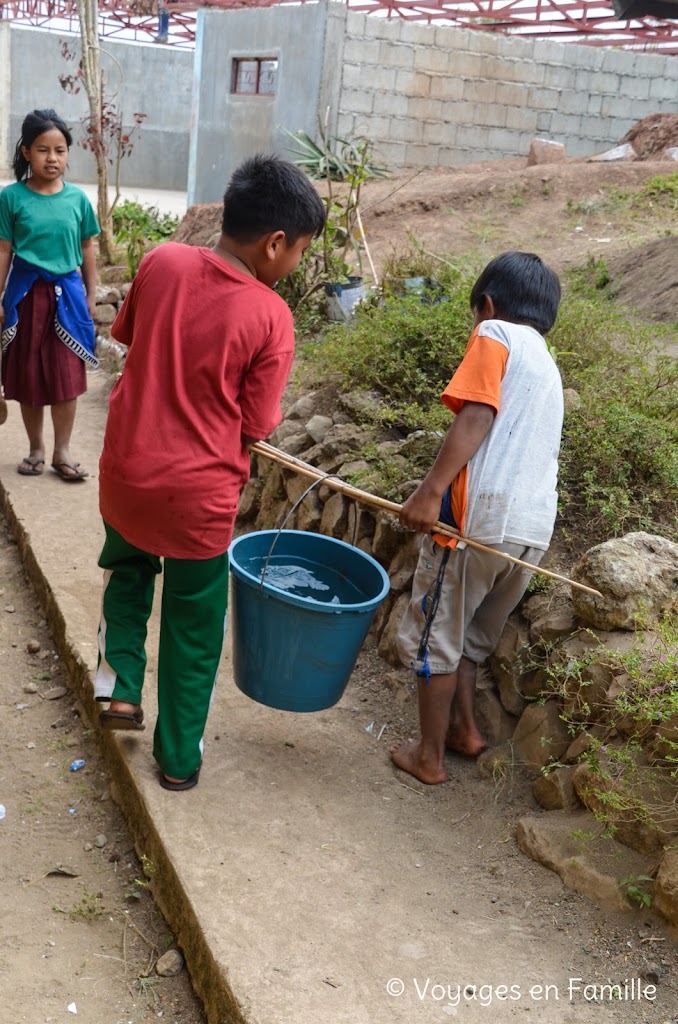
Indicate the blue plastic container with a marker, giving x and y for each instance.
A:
(289, 651)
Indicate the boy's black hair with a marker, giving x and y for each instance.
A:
(36, 123)
(267, 194)
(523, 289)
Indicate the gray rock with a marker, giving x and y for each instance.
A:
(334, 521)
(572, 400)
(382, 615)
(286, 429)
(540, 736)
(100, 841)
(362, 529)
(388, 649)
(594, 871)
(636, 576)
(170, 964)
(104, 294)
(617, 153)
(295, 444)
(508, 665)
(31, 688)
(666, 887)
(303, 408)
(250, 496)
(389, 537)
(545, 151)
(586, 697)
(308, 515)
(105, 314)
(318, 426)
(554, 625)
(361, 403)
(631, 827)
(495, 724)
(496, 763)
(352, 468)
(555, 791)
(33, 646)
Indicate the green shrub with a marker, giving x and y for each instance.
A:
(136, 225)
(147, 220)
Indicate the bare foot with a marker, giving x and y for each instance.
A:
(123, 708)
(409, 756)
(469, 744)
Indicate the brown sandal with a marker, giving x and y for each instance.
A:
(127, 720)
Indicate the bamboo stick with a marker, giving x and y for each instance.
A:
(296, 465)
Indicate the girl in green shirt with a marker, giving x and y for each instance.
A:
(47, 227)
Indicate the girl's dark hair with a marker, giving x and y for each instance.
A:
(35, 123)
(523, 289)
(267, 194)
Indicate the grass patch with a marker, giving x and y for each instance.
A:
(658, 193)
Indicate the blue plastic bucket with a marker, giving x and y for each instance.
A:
(295, 652)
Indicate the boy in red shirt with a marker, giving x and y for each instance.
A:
(210, 351)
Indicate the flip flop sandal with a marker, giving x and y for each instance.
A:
(69, 478)
(126, 720)
(177, 787)
(33, 463)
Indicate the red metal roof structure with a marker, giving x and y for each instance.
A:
(642, 25)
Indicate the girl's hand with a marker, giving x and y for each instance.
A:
(92, 306)
(2, 316)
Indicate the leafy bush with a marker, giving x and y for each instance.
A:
(153, 225)
(336, 158)
(136, 225)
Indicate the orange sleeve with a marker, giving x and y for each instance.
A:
(479, 375)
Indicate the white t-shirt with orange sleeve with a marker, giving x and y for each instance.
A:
(507, 492)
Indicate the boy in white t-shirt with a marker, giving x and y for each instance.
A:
(495, 480)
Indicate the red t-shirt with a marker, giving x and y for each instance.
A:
(210, 351)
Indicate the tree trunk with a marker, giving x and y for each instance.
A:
(91, 70)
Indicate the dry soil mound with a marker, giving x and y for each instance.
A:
(651, 136)
(200, 226)
(647, 278)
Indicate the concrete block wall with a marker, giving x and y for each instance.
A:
(428, 96)
(154, 80)
(307, 42)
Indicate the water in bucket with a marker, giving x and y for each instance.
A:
(295, 643)
(311, 581)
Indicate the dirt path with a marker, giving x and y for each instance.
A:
(78, 927)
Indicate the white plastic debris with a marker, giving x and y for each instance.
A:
(3, 812)
(72, 1008)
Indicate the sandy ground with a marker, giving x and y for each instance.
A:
(78, 926)
(430, 881)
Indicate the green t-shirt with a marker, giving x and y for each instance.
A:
(47, 230)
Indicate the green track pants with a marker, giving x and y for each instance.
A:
(192, 626)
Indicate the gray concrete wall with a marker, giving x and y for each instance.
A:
(154, 80)
(428, 96)
(5, 98)
(228, 127)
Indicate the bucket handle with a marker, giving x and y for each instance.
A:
(325, 476)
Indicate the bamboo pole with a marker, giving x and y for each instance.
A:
(296, 465)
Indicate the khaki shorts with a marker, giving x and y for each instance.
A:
(476, 594)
